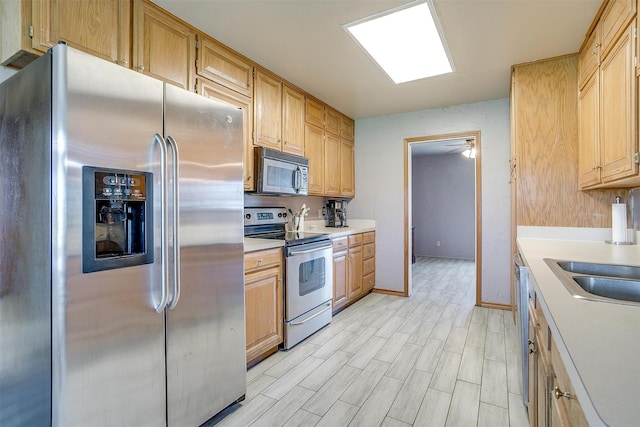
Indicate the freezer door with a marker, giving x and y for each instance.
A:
(108, 339)
(206, 365)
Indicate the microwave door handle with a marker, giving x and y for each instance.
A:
(171, 143)
(164, 296)
(297, 179)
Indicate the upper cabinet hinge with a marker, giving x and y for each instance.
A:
(197, 41)
(636, 158)
(31, 31)
(635, 32)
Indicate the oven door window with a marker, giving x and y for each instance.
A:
(311, 276)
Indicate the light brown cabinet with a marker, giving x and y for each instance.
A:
(221, 65)
(607, 101)
(214, 90)
(340, 272)
(279, 114)
(552, 398)
(332, 171)
(314, 112)
(293, 115)
(353, 268)
(347, 171)
(163, 46)
(368, 260)
(263, 303)
(314, 152)
(98, 27)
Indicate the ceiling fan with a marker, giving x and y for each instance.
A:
(468, 148)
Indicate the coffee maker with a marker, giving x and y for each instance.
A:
(336, 213)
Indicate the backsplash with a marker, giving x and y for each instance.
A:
(634, 208)
(292, 202)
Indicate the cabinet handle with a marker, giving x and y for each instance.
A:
(140, 68)
(598, 44)
(557, 393)
(260, 261)
(123, 62)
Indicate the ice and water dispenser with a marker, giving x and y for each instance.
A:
(117, 219)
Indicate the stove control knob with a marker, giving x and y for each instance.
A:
(284, 214)
(280, 215)
(247, 216)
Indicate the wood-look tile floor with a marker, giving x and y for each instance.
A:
(433, 359)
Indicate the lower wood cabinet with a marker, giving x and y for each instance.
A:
(263, 303)
(353, 268)
(552, 398)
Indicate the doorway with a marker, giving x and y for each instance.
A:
(470, 144)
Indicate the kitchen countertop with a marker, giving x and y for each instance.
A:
(313, 226)
(599, 342)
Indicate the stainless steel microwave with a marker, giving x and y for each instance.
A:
(281, 173)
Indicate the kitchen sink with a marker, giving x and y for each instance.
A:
(618, 284)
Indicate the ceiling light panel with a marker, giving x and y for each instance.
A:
(404, 42)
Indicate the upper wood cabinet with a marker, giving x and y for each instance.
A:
(615, 18)
(220, 64)
(279, 112)
(314, 112)
(217, 91)
(163, 46)
(589, 57)
(332, 120)
(293, 114)
(618, 119)
(314, 151)
(332, 151)
(347, 128)
(98, 27)
(267, 110)
(347, 172)
(608, 114)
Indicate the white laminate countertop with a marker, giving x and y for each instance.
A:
(599, 342)
(313, 226)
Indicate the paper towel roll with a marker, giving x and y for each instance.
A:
(619, 222)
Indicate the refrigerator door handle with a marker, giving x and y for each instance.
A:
(175, 222)
(164, 251)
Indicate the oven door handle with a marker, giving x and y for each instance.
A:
(302, 322)
(308, 251)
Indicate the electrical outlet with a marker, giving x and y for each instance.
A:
(437, 242)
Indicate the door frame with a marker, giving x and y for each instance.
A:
(478, 194)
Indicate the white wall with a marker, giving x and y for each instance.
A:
(444, 206)
(380, 186)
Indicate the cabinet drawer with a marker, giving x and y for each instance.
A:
(368, 250)
(340, 244)
(368, 265)
(369, 237)
(368, 281)
(261, 259)
(355, 239)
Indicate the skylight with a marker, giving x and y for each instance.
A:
(404, 42)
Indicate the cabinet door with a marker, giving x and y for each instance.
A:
(347, 128)
(588, 133)
(354, 288)
(217, 91)
(618, 110)
(163, 47)
(314, 151)
(347, 178)
(615, 18)
(268, 111)
(293, 113)
(533, 373)
(332, 167)
(220, 64)
(314, 112)
(589, 58)
(332, 120)
(340, 279)
(98, 27)
(263, 311)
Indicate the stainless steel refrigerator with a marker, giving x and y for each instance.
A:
(121, 248)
